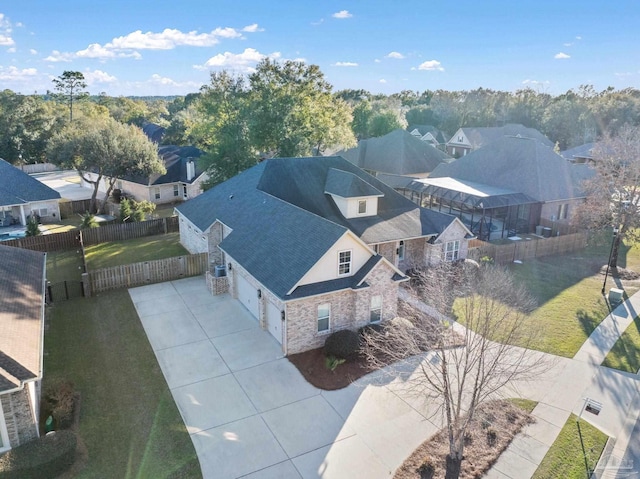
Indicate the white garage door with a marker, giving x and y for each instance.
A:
(248, 296)
(274, 322)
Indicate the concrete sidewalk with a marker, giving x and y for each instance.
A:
(563, 390)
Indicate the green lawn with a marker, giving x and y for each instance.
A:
(524, 404)
(625, 354)
(566, 458)
(128, 422)
(567, 291)
(117, 253)
(64, 265)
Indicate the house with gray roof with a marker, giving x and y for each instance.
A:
(396, 157)
(429, 134)
(579, 154)
(510, 186)
(22, 297)
(314, 245)
(469, 139)
(183, 178)
(22, 196)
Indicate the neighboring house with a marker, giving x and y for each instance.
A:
(22, 196)
(466, 140)
(508, 187)
(396, 157)
(314, 245)
(579, 154)
(429, 134)
(182, 181)
(22, 296)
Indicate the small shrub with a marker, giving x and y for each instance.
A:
(331, 362)
(427, 468)
(485, 423)
(512, 417)
(59, 401)
(343, 344)
(486, 260)
(492, 436)
(32, 227)
(47, 456)
(467, 439)
(88, 221)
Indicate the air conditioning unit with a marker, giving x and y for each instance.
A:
(220, 271)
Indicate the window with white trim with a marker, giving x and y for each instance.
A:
(375, 309)
(344, 262)
(43, 212)
(176, 190)
(452, 250)
(401, 251)
(324, 315)
(156, 193)
(362, 207)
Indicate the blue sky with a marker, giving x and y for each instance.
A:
(169, 47)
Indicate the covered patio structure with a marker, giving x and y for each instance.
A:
(488, 211)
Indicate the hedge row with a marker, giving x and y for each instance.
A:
(48, 456)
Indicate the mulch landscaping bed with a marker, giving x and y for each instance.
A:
(311, 365)
(494, 426)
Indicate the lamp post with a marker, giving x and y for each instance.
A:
(606, 273)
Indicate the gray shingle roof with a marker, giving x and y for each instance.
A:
(18, 188)
(398, 152)
(519, 164)
(175, 159)
(283, 222)
(482, 136)
(21, 321)
(579, 152)
(348, 185)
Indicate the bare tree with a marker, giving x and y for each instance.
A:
(467, 365)
(612, 194)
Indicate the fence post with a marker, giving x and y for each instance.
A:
(86, 285)
(164, 223)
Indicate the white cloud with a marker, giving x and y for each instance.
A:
(33, 51)
(536, 82)
(382, 80)
(345, 64)
(57, 56)
(5, 32)
(318, 22)
(578, 37)
(252, 28)
(127, 46)
(242, 62)
(342, 14)
(11, 50)
(567, 44)
(15, 74)
(431, 65)
(377, 60)
(98, 76)
(561, 56)
(396, 55)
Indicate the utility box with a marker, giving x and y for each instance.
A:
(616, 295)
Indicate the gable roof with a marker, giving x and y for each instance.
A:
(348, 185)
(479, 137)
(18, 188)
(21, 315)
(519, 164)
(582, 152)
(424, 129)
(398, 152)
(283, 222)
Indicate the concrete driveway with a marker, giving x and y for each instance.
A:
(249, 411)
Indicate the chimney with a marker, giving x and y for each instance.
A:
(191, 170)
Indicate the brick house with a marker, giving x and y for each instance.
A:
(314, 245)
(22, 196)
(22, 296)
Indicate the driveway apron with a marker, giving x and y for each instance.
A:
(250, 413)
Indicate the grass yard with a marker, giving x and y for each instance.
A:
(625, 354)
(128, 421)
(567, 290)
(566, 458)
(117, 253)
(64, 265)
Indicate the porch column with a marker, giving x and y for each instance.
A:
(22, 216)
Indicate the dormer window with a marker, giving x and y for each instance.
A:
(344, 262)
(362, 207)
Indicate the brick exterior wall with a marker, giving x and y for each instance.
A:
(414, 254)
(191, 237)
(349, 310)
(215, 285)
(388, 251)
(22, 426)
(216, 256)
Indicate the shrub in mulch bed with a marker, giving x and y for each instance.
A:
(494, 426)
(46, 456)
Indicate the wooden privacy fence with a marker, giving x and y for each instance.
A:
(90, 236)
(528, 249)
(126, 231)
(147, 272)
(75, 207)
